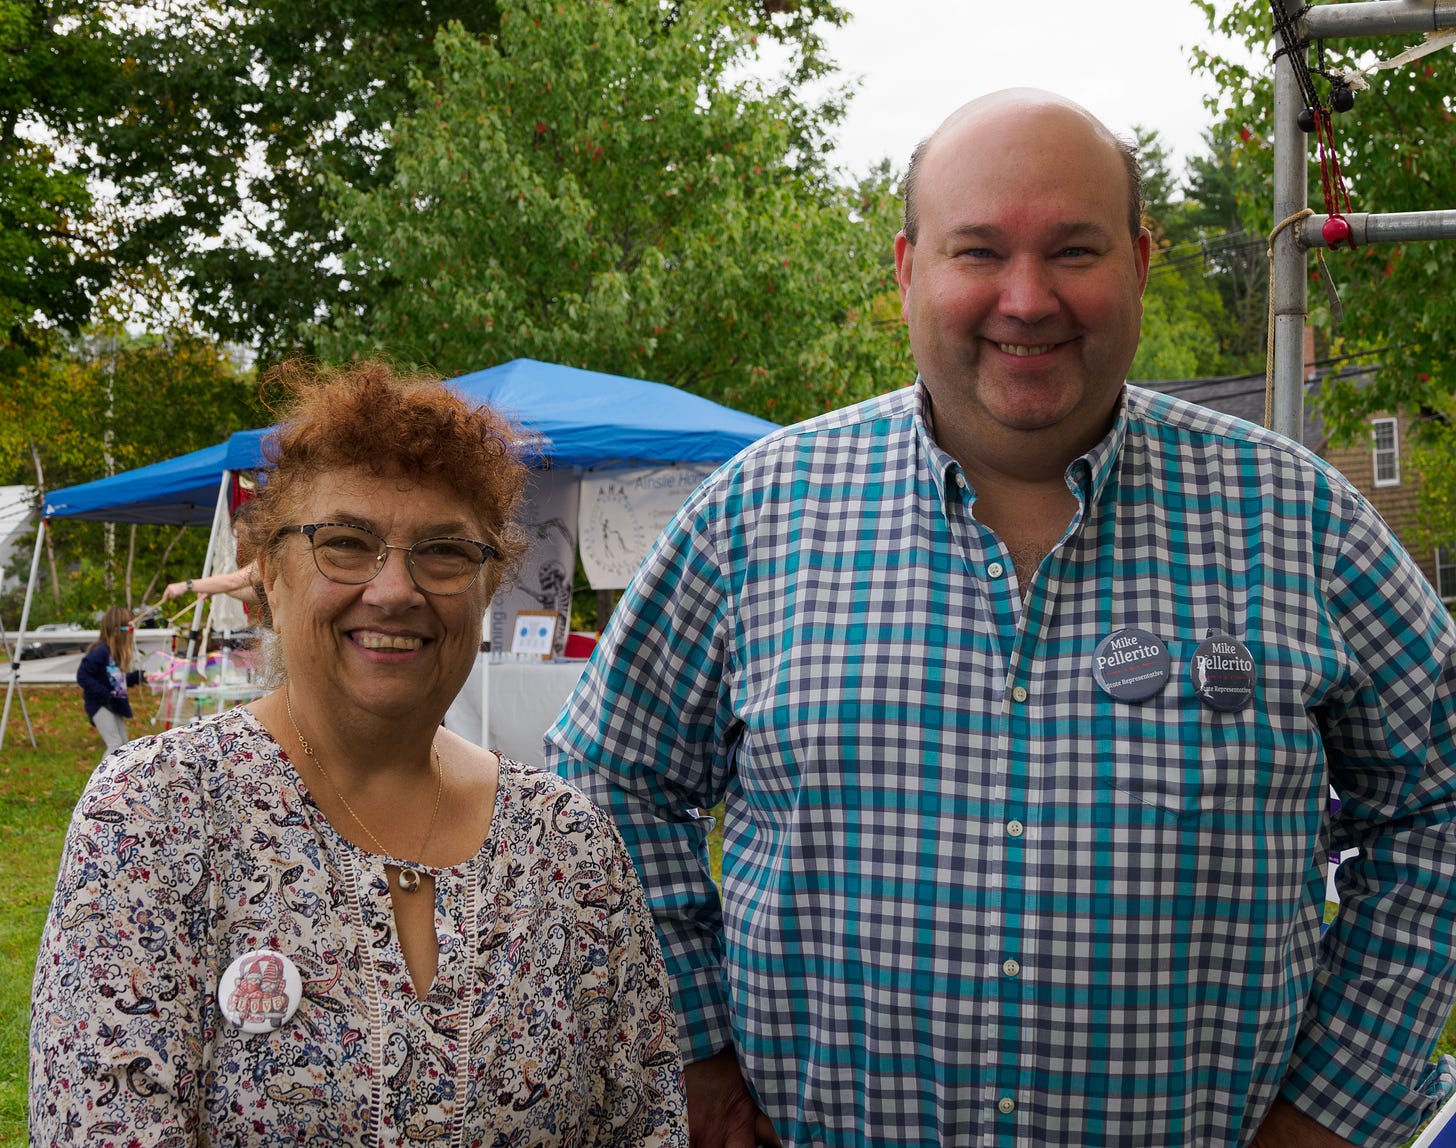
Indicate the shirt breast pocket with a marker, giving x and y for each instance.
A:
(1177, 755)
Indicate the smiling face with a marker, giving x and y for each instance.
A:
(383, 648)
(1023, 289)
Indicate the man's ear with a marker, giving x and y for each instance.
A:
(904, 263)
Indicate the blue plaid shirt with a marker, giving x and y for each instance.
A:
(969, 897)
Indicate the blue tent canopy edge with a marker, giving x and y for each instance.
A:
(178, 491)
(581, 418)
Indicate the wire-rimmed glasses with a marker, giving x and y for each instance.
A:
(353, 555)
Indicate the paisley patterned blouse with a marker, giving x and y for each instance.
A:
(548, 1022)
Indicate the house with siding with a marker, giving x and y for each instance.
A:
(1373, 467)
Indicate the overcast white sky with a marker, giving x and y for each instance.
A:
(1125, 60)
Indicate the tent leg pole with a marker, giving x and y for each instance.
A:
(20, 637)
(217, 515)
(13, 658)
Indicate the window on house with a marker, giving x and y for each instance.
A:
(1446, 572)
(1386, 452)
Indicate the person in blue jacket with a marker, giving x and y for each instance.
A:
(104, 675)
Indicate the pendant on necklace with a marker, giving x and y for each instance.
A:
(409, 880)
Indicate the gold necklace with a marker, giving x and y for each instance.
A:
(409, 878)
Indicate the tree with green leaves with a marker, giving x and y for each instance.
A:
(1224, 195)
(238, 121)
(119, 402)
(600, 187)
(1182, 311)
(113, 404)
(1204, 309)
(56, 62)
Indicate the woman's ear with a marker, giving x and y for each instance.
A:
(266, 570)
(267, 577)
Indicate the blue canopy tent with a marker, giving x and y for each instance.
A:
(580, 418)
(181, 491)
(586, 418)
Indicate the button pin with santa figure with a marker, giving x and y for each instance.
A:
(260, 991)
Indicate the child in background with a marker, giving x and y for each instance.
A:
(104, 675)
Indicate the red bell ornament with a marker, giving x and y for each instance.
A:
(1336, 230)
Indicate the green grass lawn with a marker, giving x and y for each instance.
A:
(38, 787)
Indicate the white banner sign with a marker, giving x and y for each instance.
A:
(543, 582)
(622, 513)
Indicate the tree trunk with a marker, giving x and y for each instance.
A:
(162, 563)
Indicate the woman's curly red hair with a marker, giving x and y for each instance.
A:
(366, 416)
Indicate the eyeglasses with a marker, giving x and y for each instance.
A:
(352, 555)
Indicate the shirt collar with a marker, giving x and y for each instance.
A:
(942, 466)
(1086, 476)
(1096, 466)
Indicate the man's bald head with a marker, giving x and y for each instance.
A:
(1021, 101)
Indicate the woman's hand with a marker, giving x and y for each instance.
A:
(177, 589)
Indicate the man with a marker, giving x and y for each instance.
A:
(1025, 689)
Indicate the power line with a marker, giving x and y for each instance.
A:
(1205, 250)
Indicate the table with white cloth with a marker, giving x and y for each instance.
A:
(525, 698)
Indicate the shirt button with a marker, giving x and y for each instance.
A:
(1019, 694)
(961, 481)
(1015, 828)
(995, 570)
(1006, 1105)
(1010, 968)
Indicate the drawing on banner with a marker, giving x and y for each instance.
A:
(553, 581)
(622, 513)
(615, 526)
(535, 634)
(543, 580)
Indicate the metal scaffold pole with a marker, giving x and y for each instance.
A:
(1289, 286)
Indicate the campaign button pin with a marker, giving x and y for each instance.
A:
(1131, 665)
(1223, 673)
(260, 991)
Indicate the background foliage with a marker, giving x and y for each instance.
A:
(52, 81)
(592, 187)
(1207, 285)
(113, 403)
(238, 124)
(455, 183)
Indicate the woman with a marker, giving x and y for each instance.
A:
(104, 675)
(242, 583)
(321, 917)
(235, 583)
